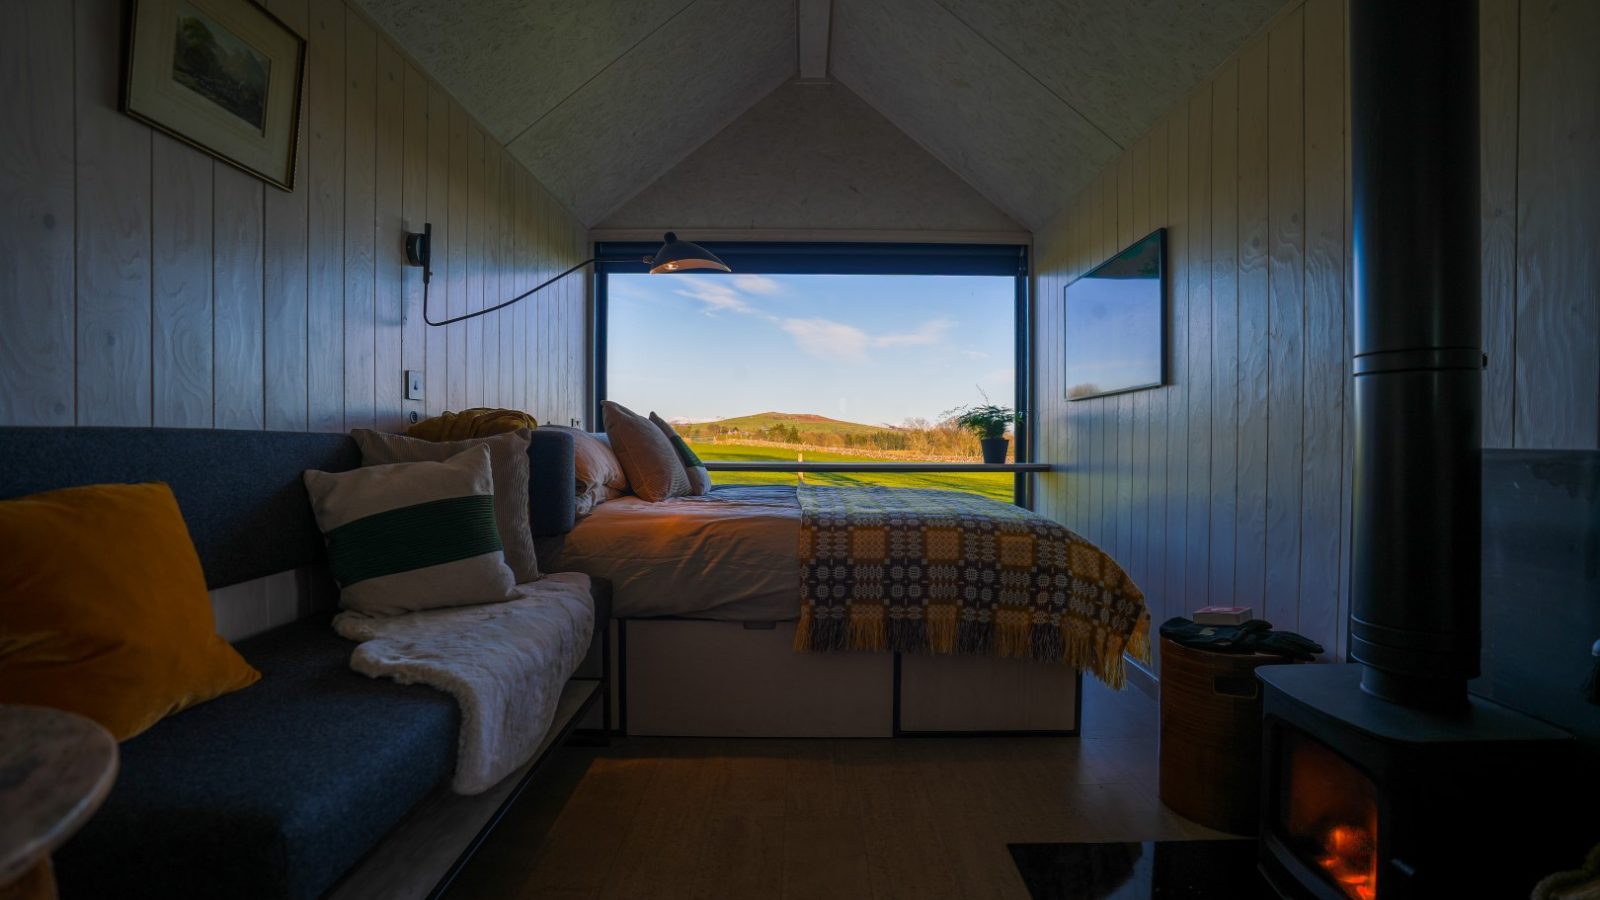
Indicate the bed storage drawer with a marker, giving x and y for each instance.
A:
(725, 679)
(971, 693)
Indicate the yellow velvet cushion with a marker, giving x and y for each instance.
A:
(103, 608)
(480, 421)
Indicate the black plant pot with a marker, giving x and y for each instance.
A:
(994, 449)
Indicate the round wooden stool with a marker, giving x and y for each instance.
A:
(58, 768)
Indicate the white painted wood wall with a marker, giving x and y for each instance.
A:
(1230, 485)
(145, 283)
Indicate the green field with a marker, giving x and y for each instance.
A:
(996, 486)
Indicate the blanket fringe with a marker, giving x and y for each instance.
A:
(866, 628)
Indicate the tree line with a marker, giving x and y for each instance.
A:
(916, 436)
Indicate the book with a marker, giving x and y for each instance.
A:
(1222, 615)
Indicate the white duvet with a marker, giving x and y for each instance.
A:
(732, 554)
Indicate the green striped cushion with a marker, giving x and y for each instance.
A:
(413, 536)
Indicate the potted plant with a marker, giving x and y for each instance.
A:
(989, 423)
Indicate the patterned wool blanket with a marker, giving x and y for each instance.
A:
(927, 571)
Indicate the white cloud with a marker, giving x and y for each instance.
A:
(827, 339)
(713, 294)
(974, 354)
(928, 333)
(756, 284)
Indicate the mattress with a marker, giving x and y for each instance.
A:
(731, 555)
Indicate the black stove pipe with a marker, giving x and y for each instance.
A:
(1415, 582)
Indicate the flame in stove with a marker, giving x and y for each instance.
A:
(1351, 859)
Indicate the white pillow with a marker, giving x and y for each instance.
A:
(412, 536)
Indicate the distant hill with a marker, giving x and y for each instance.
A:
(805, 423)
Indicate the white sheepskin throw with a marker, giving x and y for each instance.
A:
(505, 663)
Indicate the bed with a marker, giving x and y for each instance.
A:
(715, 593)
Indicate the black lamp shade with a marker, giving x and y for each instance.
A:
(682, 256)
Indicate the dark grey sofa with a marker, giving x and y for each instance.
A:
(277, 790)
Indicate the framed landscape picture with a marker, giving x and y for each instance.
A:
(1116, 316)
(221, 75)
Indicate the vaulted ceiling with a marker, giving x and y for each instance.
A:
(1026, 100)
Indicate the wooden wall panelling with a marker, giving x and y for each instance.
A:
(181, 283)
(324, 180)
(1162, 448)
(38, 343)
(414, 210)
(527, 376)
(506, 321)
(456, 335)
(477, 222)
(1125, 402)
(1197, 535)
(237, 272)
(437, 391)
(540, 315)
(1224, 332)
(1109, 408)
(1250, 552)
(1558, 216)
(388, 260)
(1322, 443)
(284, 221)
(1140, 226)
(492, 233)
(1497, 98)
(152, 284)
(113, 234)
(1177, 490)
(1093, 440)
(360, 209)
(1286, 319)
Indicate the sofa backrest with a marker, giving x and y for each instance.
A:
(240, 491)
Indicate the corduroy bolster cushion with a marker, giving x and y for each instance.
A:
(272, 792)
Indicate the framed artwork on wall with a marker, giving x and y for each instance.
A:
(221, 75)
(1116, 323)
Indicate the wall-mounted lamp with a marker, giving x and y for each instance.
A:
(674, 256)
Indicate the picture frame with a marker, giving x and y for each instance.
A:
(223, 76)
(1115, 320)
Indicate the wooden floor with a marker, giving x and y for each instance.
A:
(668, 818)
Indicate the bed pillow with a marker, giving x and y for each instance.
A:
(647, 457)
(596, 463)
(508, 465)
(104, 610)
(600, 493)
(699, 478)
(413, 536)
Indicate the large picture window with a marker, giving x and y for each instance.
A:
(823, 354)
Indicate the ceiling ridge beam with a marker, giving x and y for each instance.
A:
(1026, 71)
(601, 71)
(813, 28)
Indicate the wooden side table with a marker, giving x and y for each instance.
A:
(56, 768)
(1210, 768)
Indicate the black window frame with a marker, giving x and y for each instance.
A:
(857, 258)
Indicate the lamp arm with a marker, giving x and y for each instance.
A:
(522, 296)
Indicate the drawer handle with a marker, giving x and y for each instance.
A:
(1242, 686)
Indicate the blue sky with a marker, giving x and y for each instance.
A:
(863, 348)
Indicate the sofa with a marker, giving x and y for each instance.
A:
(281, 789)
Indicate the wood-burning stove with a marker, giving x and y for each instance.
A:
(1384, 778)
(1365, 798)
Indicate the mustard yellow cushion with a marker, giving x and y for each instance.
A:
(480, 421)
(103, 608)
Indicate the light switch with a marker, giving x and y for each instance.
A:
(413, 384)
